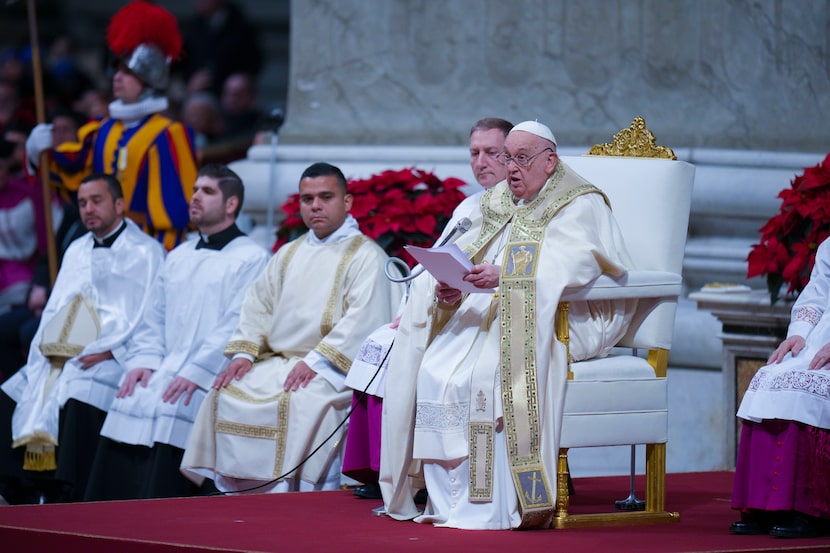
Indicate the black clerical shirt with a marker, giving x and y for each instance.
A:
(220, 239)
(108, 241)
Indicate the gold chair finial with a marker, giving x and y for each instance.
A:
(635, 141)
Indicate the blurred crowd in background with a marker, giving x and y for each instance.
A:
(213, 90)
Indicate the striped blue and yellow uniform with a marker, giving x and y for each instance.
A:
(154, 161)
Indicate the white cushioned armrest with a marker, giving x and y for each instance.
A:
(636, 284)
(615, 367)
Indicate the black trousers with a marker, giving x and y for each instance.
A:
(125, 471)
(80, 427)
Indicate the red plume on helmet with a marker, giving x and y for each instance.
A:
(146, 38)
(140, 22)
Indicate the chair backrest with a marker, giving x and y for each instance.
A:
(651, 199)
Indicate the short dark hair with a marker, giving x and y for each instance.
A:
(112, 183)
(323, 169)
(489, 123)
(229, 182)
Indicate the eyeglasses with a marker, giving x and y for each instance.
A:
(521, 160)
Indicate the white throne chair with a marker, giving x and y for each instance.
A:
(622, 399)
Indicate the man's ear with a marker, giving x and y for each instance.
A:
(349, 200)
(552, 160)
(230, 206)
(119, 206)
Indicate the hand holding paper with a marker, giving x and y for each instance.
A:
(448, 264)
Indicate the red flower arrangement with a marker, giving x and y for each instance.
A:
(394, 208)
(789, 240)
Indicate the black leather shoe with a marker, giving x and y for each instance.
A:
(748, 528)
(799, 526)
(752, 523)
(421, 497)
(368, 491)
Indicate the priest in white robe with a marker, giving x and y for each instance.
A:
(479, 378)
(76, 358)
(274, 420)
(178, 349)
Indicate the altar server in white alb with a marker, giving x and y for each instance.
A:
(302, 323)
(478, 379)
(178, 349)
(76, 358)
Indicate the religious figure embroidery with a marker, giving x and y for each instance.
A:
(522, 257)
(481, 401)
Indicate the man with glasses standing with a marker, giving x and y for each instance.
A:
(479, 379)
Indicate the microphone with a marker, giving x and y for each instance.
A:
(460, 228)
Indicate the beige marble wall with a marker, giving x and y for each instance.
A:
(734, 74)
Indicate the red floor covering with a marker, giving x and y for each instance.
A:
(339, 522)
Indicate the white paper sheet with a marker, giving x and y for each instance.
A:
(448, 264)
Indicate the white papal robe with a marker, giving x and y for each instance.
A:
(116, 281)
(193, 310)
(479, 386)
(316, 301)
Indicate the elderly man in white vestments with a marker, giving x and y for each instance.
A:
(76, 358)
(361, 460)
(178, 349)
(302, 323)
(479, 379)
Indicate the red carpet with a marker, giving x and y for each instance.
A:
(339, 522)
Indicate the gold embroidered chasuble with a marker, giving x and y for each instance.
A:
(323, 297)
(495, 358)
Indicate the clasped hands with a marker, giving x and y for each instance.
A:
(484, 276)
(794, 344)
(299, 377)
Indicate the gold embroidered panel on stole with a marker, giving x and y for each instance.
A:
(327, 321)
(289, 255)
(481, 462)
(519, 377)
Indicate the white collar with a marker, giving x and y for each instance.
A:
(348, 229)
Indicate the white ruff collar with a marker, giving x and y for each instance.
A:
(131, 113)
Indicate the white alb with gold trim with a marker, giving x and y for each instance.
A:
(321, 297)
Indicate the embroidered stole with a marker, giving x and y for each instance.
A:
(516, 305)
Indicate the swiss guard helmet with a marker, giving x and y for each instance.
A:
(146, 39)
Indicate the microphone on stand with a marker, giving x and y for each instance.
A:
(460, 228)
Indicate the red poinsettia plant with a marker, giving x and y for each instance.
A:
(789, 240)
(394, 208)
